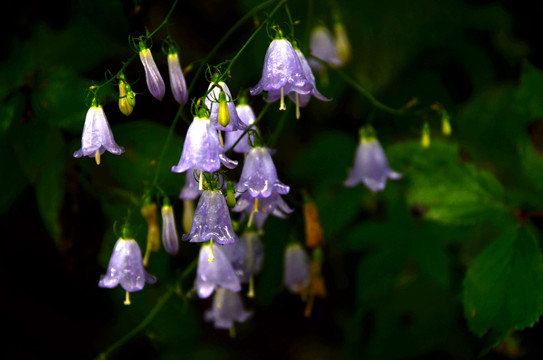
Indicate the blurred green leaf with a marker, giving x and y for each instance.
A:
(451, 191)
(13, 181)
(503, 288)
(529, 93)
(143, 142)
(10, 110)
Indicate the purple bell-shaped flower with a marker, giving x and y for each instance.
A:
(177, 79)
(247, 116)
(272, 205)
(259, 176)
(226, 309)
(212, 102)
(155, 84)
(246, 255)
(97, 136)
(323, 46)
(282, 72)
(212, 220)
(169, 230)
(126, 267)
(297, 268)
(202, 149)
(214, 270)
(370, 164)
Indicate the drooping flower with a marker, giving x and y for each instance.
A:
(177, 79)
(247, 116)
(282, 72)
(370, 164)
(190, 190)
(202, 149)
(169, 230)
(323, 46)
(212, 220)
(126, 267)
(214, 270)
(259, 176)
(297, 268)
(213, 102)
(227, 308)
(155, 84)
(246, 255)
(299, 99)
(97, 136)
(272, 205)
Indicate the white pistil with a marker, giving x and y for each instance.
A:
(282, 104)
(251, 292)
(97, 157)
(220, 138)
(297, 106)
(201, 182)
(127, 299)
(211, 258)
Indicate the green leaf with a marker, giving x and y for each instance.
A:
(530, 92)
(452, 192)
(503, 288)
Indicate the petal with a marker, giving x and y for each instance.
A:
(152, 75)
(177, 79)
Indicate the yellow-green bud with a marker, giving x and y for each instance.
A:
(446, 124)
(425, 139)
(124, 104)
(230, 194)
(224, 116)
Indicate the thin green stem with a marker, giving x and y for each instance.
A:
(287, 10)
(373, 100)
(147, 320)
(166, 19)
(228, 34)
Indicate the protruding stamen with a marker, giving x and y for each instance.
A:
(250, 222)
(97, 157)
(127, 299)
(309, 306)
(220, 138)
(282, 104)
(201, 182)
(256, 205)
(232, 332)
(297, 106)
(251, 292)
(211, 258)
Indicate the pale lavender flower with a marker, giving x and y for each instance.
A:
(370, 166)
(214, 270)
(169, 230)
(323, 46)
(212, 104)
(202, 149)
(212, 220)
(297, 268)
(227, 308)
(97, 136)
(190, 190)
(272, 205)
(126, 267)
(247, 116)
(282, 72)
(259, 176)
(246, 255)
(177, 79)
(152, 75)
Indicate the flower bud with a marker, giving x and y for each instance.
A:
(224, 115)
(314, 236)
(152, 75)
(153, 234)
(169, 231)
(230, 194)
(343, 44)
(425, 139)
(177, 79)
(124, 104)
(445, 124)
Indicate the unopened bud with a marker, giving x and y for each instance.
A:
(425, 139)
(224, 115)
(446, 124)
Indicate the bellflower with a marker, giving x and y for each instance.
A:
(97, 136)
(259, 176)
(247, 116)
(297, 268)
(212, 103)
(370, 165)
(212, 220)
(177, 79)
(215, 273)
(126, 267)
(169, 231)
(274, 205)
(190, 190)
(323, 46)
(152, 75)
(226, 309)
(202, 149)
(282, 72)
(246, 255)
